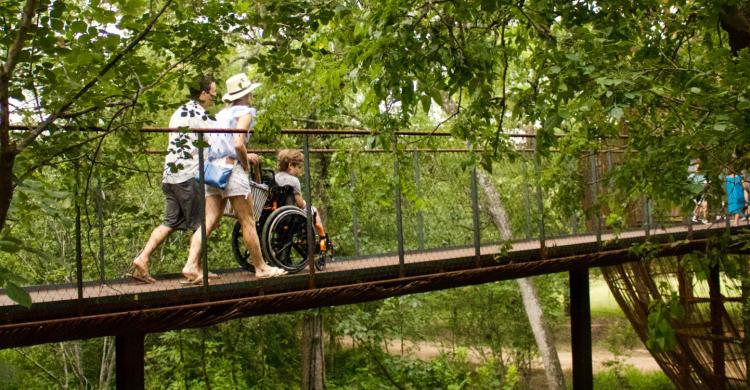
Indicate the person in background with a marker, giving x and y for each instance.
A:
(735, 187)
(230, 148)
(180, 167)
(290, 167)
(698, 183)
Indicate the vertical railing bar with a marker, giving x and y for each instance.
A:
(647, 216)
(100, 220)
(79, 255)
(399, 218)
(526, 198)
(308, 211)
(727, 216)
(355, 211)
(595, 197)
(574, 223)
(610, 182)
(475, 216)
(202, 212)
(539, 200)
(420, 214)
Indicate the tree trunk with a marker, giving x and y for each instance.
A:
(107, 363)
(313, 361)
(745, 282)
(544, 339)
(735, 20)
(7, 186)
(7, 153)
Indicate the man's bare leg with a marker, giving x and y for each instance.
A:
(140, 263)
(193, 269)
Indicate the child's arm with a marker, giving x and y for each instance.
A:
(299, 201)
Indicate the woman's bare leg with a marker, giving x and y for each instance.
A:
(244, 211)
(214, 208)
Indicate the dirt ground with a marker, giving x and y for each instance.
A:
(639, 358)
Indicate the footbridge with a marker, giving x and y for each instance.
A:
(122, 307)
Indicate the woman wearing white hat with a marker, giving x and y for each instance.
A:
(231, 149)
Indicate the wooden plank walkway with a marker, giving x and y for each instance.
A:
(127, 286)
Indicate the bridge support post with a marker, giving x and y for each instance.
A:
(717, 328)
(580, 328)
(129, 352)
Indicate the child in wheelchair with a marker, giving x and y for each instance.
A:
(289, 163)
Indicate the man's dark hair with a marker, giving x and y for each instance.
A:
(201, 84)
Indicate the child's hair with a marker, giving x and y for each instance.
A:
(287, 157)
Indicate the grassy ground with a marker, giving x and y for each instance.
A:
(603, 303)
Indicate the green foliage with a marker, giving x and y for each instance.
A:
(365, 368)
(620, 337)
(661, 315)
(631, 378)
(575, 74)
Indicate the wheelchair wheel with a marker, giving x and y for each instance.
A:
(241, 254)
(284, 239)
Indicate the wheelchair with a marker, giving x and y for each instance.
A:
(281, 227)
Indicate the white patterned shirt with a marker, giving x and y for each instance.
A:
(181, 163)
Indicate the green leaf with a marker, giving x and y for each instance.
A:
(616, 113)
(426, 102)
(18, 294)
(10, 245)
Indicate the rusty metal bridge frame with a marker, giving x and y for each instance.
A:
(121, 308)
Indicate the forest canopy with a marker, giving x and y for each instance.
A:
(670, 76)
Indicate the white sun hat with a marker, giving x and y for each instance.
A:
(237, 87)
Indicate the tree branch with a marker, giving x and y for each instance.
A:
(52, 117)
(44, 369)
(74, 114)
(171, 67)
(505, 79)
(52, 157)
(15, 49)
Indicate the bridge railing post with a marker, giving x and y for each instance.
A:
(420, 214)
(202, 211)
(100, 220)
(595, 207)
(308, 213)
(355, 210)
(79, 254)
(399, 217)
(526, 198)
(475, 215)
(539, 199)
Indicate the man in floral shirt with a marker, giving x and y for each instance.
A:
(180, 168)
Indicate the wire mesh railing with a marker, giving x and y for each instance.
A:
(402, 205)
